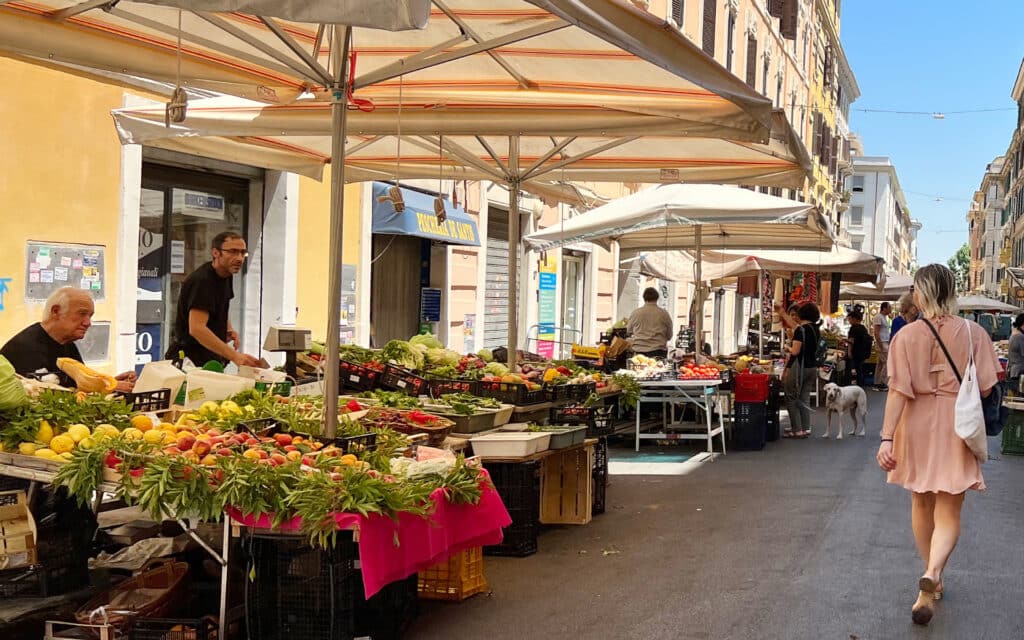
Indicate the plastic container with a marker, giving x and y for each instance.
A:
(564, 437)
(357, 377)
(509, 445)
(437, 387)
(751, 387)
(749, 426)
(1013, 432)
(407, 382)
(600, 421)
(511, 393)
(147, 401)
(457, 578)
(518, 484)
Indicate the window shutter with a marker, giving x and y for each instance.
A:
(816, 143)
(709, 27)
(751, 61)
(775, 8)
(790, 18)
(833, 160)
(677, 12)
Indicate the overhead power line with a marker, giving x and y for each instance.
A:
(937, 114)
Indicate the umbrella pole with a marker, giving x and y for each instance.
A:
(698, 321)
(513, 250)
(760, 314)
(339, 109)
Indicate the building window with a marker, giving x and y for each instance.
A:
(857, 245)
(857, 184)
(764, 79)
(729, 37)
(677, 12)
(708, 40)
(752, 61)
(778, 93)
(856, 216)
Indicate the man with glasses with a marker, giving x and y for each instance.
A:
(202, 328)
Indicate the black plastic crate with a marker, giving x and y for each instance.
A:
(775, 396)
(557, 392)
(296, 591)
(258, 426)
(727, 378)
(390, 612)
(356, 376)
(438, 387)
(357, 444)
(147, 401)
(600, 476)
(582, 391)
(173, 629)
(512, 393)
(772, 427)
(399, 379)
(600, 421)
(43, 581)
(750, 426)
(518, 484)
(606, 336)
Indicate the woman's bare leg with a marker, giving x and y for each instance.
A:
(946, 533)
(922, 519)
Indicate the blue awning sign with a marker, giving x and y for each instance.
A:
(419, 219)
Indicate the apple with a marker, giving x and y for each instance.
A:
(306, 460)
(186, 441)
(291, 448)
(172, 451)
(225, 452)
(201, 448)
(283, 439)
(262, 454)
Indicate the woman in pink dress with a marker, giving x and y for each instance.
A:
(920, 449)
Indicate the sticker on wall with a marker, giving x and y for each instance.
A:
(3, 290)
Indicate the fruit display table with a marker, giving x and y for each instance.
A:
(669, 394)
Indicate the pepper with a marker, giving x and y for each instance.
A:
(354, 406)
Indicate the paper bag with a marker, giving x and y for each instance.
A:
(618, 347)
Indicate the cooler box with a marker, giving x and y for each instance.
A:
(750, 426)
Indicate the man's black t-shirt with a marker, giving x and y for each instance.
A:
(33, 349)
(206, 291)
(860, 341)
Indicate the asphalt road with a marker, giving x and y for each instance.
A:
(803, 540)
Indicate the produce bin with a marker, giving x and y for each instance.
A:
(1013, 432)
(173, 629)
(749, 426)
(600, 421)
(509, 445)
(398, 379)
(147, 401)
(456, 579)
(518, 484)
(563, 437)
(437, 387)
(357, 377)
(566, 491)
(511, 393)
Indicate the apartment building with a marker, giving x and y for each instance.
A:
(1012, 180)
(878, 220)
(987, 218)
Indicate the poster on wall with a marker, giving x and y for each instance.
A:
(546, 287)
(52, 265)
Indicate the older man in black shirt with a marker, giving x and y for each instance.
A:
(66, 318)
(202, 329)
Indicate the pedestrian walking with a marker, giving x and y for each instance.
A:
(801, 367)
(908, 314)
(1015, 355)
(920, 449)
(881, 330)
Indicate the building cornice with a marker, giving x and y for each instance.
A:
(1018, 86)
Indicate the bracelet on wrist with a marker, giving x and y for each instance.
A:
(886, 439)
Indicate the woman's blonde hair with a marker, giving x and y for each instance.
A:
(906, 303)
(935, 290)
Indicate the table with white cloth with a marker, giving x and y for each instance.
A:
(674, 395)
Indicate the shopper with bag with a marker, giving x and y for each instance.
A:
(932, 420)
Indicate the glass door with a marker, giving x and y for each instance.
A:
(572, 301)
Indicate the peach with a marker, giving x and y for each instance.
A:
(278, 459)
(283, 439)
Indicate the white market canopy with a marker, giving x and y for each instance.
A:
(894, 286)
(691, 216)
(850, 264)
(982, 303)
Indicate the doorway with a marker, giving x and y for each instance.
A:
(573, 300)
(180, 212)
(401, 267)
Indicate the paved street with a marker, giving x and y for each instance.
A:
(801, 541)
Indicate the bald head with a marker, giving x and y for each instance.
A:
(68, 314)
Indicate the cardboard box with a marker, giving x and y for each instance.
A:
(17, 531)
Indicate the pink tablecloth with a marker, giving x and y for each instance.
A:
(422, 542)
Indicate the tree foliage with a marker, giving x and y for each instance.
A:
(960, 264)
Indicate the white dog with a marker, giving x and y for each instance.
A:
(843, 400)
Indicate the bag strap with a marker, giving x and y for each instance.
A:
(942, 344)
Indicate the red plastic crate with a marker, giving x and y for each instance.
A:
(751, 387)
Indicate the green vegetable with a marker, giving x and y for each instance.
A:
(392, 399)
(403, 354)
(485, 355)
(355, 354)
(496, 369)
(426, 339)
(442, 357)
(630, 389)
(12, 394)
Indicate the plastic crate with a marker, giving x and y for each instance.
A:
(437, 387)
(606, 336)
(62, 566)
(399, 379)
(775, 395)
(173, 629)
(275, 388)
(1013, 434)
(357, 444)
(511, 393)
(358, 377)
(518, 484)
(749, 426)
(727, 376)
(297, 591)
(147, 401)
(600, 476)
(600, 421)
(582, 391)
(456, 579)
(751, 387)
(258, 426)
(772, 425)
(389, 613)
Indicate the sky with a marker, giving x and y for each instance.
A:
(936, 56)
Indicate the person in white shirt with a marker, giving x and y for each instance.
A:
(881, 329)
(650, 327)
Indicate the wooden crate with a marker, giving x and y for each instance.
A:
(566, 492)
(455, 579)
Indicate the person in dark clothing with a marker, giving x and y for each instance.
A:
(858, 347)
(801, 366)
(202, 328)
(67, 316)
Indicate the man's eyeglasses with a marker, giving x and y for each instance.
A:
(235, 252)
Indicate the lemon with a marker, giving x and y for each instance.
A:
(131, 433)
(168, 427)
(142, 422)
(79, 432)
(61, 444)
(46, 454)
(45, 433)
(154, 436)
(229, 407)
(87, 443)
(104, 431)
(66, 456)
(27, 448)
(209, 408)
